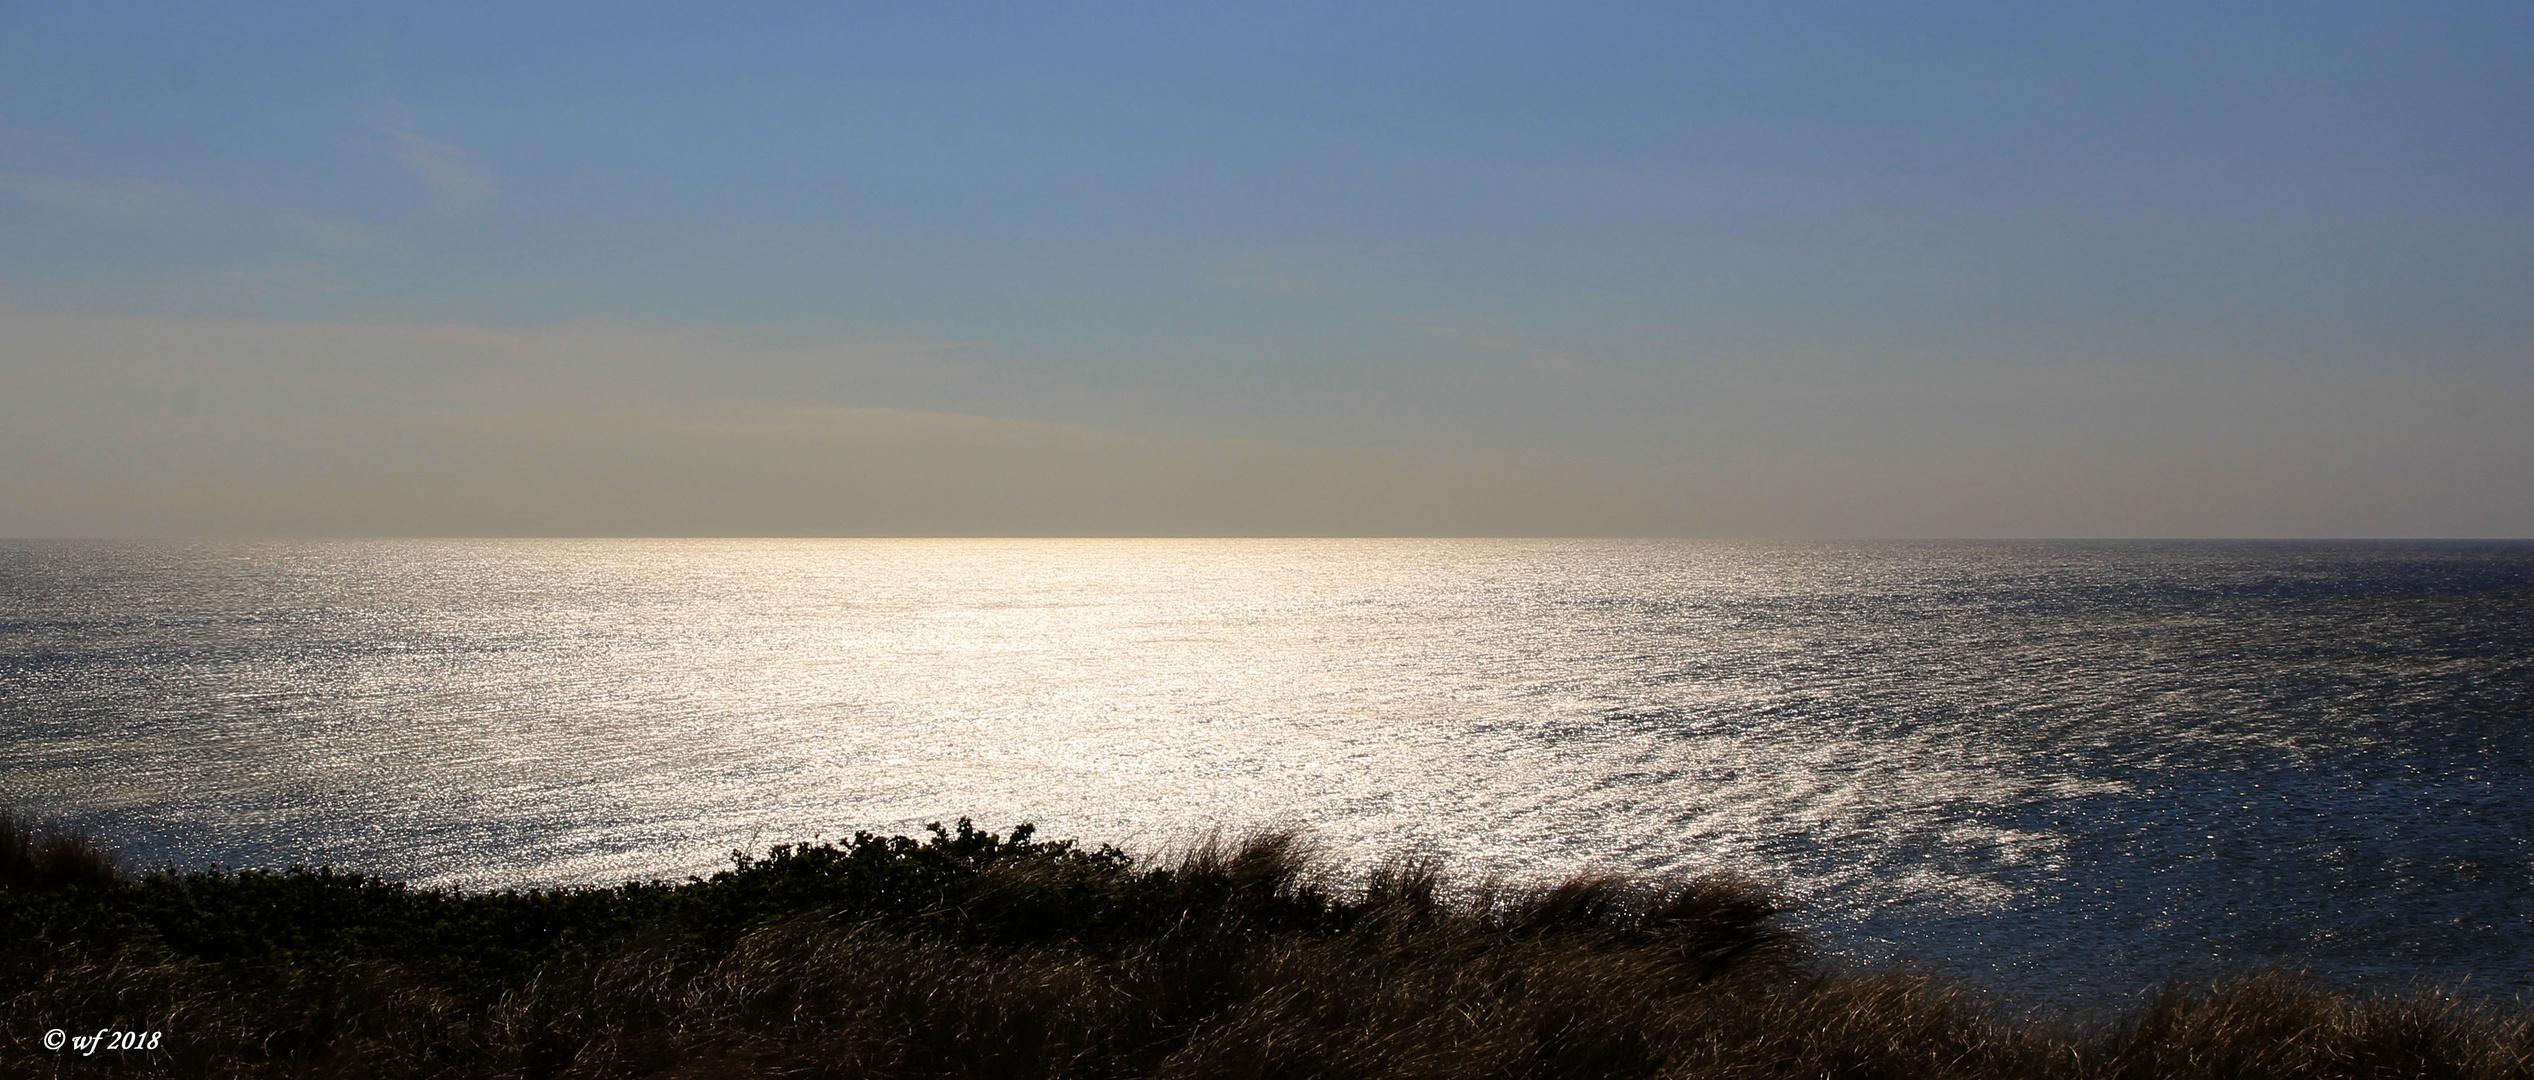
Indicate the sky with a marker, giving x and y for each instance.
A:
(1706, 270)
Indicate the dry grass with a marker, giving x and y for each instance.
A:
(36, 855)
(1248, 965)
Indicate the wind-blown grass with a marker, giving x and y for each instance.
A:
(973, 954)
(35, 856)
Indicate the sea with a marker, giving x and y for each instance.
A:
(2062, 773)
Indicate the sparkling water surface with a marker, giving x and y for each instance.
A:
(2065, 771)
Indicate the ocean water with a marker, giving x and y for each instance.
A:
(2063, 771)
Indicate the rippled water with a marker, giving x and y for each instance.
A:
(2067, 770)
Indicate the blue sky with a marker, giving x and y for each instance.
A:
(1702, 270)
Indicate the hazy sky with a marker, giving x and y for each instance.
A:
(1731, 270)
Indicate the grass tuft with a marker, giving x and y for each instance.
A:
(36, 855)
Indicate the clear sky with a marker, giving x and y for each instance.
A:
(1107, 268)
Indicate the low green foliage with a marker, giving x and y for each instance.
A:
(953, 884)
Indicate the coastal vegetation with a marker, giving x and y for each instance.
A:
(968, 953)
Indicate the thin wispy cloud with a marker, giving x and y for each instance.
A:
(332, 232)
(457, 183)
(109, 196)
(1255, 273)
(14, 133)
(1544, 361)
